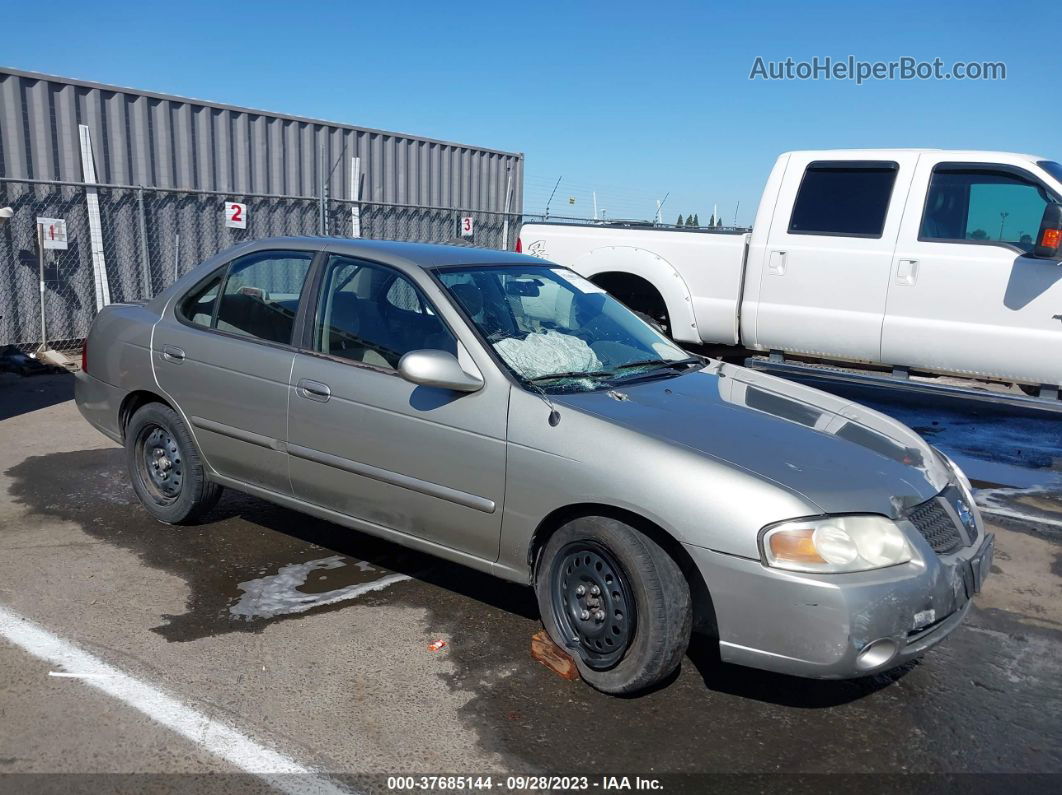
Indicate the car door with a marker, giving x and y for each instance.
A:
(823, 286)
(965, 295)
(422, 461)
(223, 353)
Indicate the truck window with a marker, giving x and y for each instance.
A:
(983, 206)
(845, 199)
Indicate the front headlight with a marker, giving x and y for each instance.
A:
(835, 544)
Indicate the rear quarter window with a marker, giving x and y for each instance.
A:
(843, 199)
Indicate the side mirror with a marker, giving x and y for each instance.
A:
(439, 369)
(1049, 241)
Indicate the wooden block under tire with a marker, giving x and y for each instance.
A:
(553, 656)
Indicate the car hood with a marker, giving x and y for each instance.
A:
(838, 455)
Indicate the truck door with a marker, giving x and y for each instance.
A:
(825, 277)
(965, 295)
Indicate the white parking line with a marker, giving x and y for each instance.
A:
(215, 737)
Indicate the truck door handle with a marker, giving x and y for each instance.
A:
(907, 272)
(313, 390)
(776, 263)
(172, 354)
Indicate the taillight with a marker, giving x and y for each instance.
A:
(84, 356)
(1051, 238)
(519, 246)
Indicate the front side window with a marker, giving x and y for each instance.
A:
(374, 315)
(983, 206)
(843, 199)
(558, 331)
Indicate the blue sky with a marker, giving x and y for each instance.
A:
(631, 99)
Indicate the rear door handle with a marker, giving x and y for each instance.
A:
(172, 354)
(907, 272)
(776, 263)
(313, 390)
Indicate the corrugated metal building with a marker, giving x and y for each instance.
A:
(182, 159)
(156, 140)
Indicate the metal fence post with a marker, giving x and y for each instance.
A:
(142, 223)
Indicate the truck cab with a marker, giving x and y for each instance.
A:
(927, 260)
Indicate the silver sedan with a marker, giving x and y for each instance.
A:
(503, 413)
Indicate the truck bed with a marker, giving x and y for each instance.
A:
(702, 302)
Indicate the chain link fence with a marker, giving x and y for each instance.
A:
(144, 239)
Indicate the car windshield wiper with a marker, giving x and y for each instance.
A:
(661, 363)
(573, 374)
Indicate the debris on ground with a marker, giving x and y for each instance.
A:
(436, 645)
(553, 656)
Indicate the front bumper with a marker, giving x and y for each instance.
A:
(817, 625)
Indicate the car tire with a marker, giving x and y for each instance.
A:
(165, 466)
(645, 599)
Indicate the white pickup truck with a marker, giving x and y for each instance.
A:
(918, 261)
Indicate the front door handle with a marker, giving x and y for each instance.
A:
(776, 263)
(173, 354)
(313, 390)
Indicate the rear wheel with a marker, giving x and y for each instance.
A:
(616, 601)
(164, 464)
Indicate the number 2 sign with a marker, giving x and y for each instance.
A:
(467, 226)
(235, 215)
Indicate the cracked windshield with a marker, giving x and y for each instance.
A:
(561, 332)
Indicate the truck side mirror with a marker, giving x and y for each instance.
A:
(1049, 241)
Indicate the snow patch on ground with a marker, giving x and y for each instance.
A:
(279, 594)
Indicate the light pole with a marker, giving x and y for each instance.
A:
(1002, 223)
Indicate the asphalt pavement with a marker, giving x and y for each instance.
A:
(264, 637)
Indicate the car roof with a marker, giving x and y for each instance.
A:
(395, 252)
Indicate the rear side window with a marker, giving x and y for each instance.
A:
(843, 199)
(258, 296)
(198, 307)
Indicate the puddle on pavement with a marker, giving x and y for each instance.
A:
(251, 563)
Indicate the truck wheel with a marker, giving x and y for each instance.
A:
(164, 464)
(616, 602)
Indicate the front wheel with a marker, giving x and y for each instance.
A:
(164, 464)
(616, 601)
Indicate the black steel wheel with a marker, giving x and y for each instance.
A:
(164, 464)
(161, 463)
(615, 599)
(593, 603)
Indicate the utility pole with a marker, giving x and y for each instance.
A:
(659, 205)
(552, 195)
(1002, 222)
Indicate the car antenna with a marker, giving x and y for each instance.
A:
(554, 415)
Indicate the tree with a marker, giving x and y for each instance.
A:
(689, 220)
(679, 222)
(712, 222)
(979, 234)
(696, 220)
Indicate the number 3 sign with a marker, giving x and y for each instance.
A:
(235, 215)
(467, 227)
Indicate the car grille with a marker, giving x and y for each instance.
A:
(935, 524)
